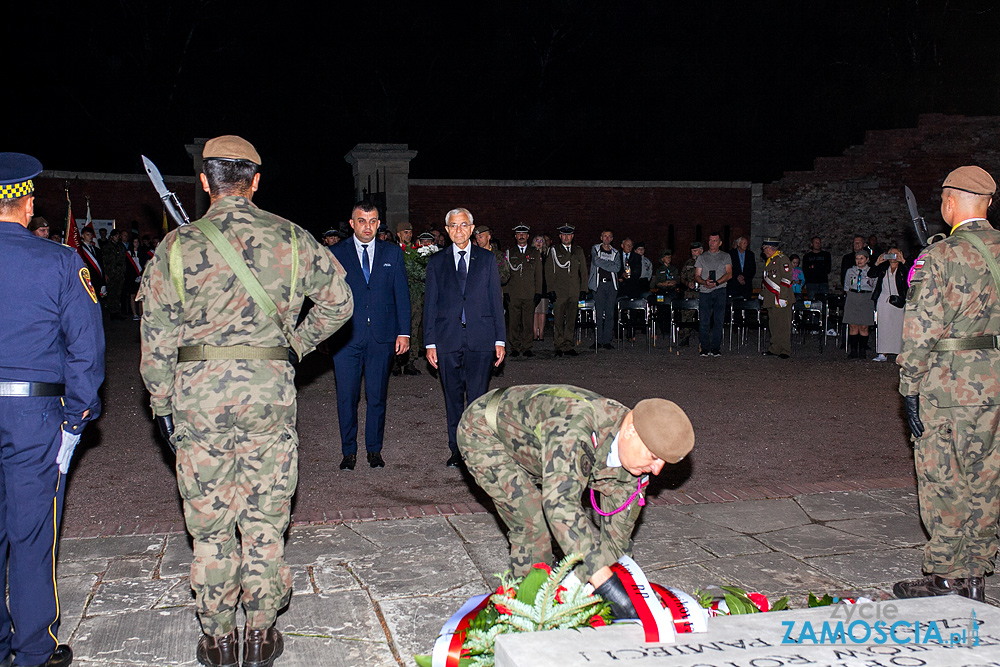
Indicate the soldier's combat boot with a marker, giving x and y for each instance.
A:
(975, 589)
(930, 586)
(262, 647)
(219, 651)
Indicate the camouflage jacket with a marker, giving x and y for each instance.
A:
(525, 273)
(777, 281)
(502, 267)
(687, 277)
(952, 295)
(566, 271)
(214, 308)
(548, 430)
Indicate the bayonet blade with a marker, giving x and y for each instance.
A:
(919, 226)
(155, 177)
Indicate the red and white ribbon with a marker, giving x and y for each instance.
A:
(448, 646)
(688, 615)
(657, 623)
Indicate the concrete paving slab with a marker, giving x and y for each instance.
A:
(664, 553)
(844, 505)
(905, 500)
(303, 651)
(177, 557)
(161, 637)
(70, 568)
(406, 532)
(872, 568)
(756, 640)
(302, 583)
(751, 516)
(476, 528)
(115, 597)
(131, 568)
(688, 578)
(414, 623)
(74, 592)
(346, 614)
(661, 523)
(722, 547)
(100, 548)
(815, 540)
(315, 544)
(902, 530)
(773, 573)
(330, 578)
(429, 569)
(491, 559)
(178, 595)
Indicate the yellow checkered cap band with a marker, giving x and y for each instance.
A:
(15, 190)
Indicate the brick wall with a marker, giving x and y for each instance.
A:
(862, 190)
(642, 210)
(125, 198)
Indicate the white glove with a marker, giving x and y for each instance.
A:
(782, 303)
(69, 441)
(104, 290)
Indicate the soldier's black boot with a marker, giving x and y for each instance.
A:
(219, 651)
(975, 589)
(262, 647)
(930, 586)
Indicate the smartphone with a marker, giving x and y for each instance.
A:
(892, 255)
(711, 275)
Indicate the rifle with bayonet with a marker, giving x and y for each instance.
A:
(170, 201)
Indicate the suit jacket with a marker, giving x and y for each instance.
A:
(482, 301)
(382, 305)
(631, 287)
(748, 272)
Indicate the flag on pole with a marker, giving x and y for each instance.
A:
(72, 231)
(90, 220)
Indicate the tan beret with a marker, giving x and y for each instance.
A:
(230, 147)
(404, 226)
(971, 179)
(663, 428)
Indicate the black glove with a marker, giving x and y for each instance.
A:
(166, 425)
(583, 296)
(911, 405)
(613, 591)
(293, 357)
(552, 296)
(538, 299)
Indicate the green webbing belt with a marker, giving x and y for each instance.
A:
(211, 352)
(493, 411)
(988, 342)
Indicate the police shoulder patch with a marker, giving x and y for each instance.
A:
(85, 279)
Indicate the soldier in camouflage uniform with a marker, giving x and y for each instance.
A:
(778, 299)
(689, 289)
(113, 259)
(221, 383)
(950, 381)
(522, 292)
(566, 278)
(536, 448)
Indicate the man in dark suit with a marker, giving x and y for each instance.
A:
(744, 270)
(464, 330)
(379, 329)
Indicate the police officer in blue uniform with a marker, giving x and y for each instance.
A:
(51, 365)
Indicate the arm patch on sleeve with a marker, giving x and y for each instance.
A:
(85, 279)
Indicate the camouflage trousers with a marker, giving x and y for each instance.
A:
(514, 492)
(237, 467)
(416, 324)
(958, 469)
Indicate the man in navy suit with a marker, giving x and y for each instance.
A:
(379, 329)
(464, 329)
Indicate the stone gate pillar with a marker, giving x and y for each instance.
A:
(382, 173)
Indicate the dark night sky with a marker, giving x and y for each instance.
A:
(604, 90)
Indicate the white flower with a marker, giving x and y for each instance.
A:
(427, 250)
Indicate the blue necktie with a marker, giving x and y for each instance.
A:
(364, 262)
(463, 274)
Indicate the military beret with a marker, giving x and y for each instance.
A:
(37, 222)
(663, 428)
(230, 147)
(426, 236)
(404, 226)
(640, 244)
(668, 251)
(771, 241)
(522, 229)
(971, 179)
(16, 172)
(567, 229)
(696, 244)
(481, 229)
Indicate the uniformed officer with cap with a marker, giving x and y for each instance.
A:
(522, 292)
(949, 376)
(39, 226)
(535, 449)
(221, 299)
(778, 298)
(566, 278)
(51, 365)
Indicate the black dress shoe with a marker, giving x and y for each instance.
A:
(349, 462)
(514, 353)
(528, 354)
(262, 647)
(571, 353)
(783, 356)
(608, 346)
(217, 651)
(375, 460)
(410, 369)
(768, 353)
(396, 371)
(454, 460)
(558, 353)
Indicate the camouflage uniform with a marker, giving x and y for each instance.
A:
(952, 296)
(537, 466)
(525, 282)
(777, 284)
(235, 418)
(567, 277)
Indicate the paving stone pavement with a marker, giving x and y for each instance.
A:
(375, 592)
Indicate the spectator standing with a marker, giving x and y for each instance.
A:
(542, 307)
(646, 275)
(605, 265)
(129, 285)
(816, 266)
(744, 270)
(798, 277)
(630, 284)
(712, 271)
(113, 258)
(849, 260)
(889, 295)
(859, 311)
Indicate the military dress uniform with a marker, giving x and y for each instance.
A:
(950, 359)
(777, 284)
(567, 277)
(235, 417)
(51, 366)
(525, 283)
(550, 443)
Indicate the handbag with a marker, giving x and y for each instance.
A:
(896, 300)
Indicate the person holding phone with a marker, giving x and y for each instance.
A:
(889, 296)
